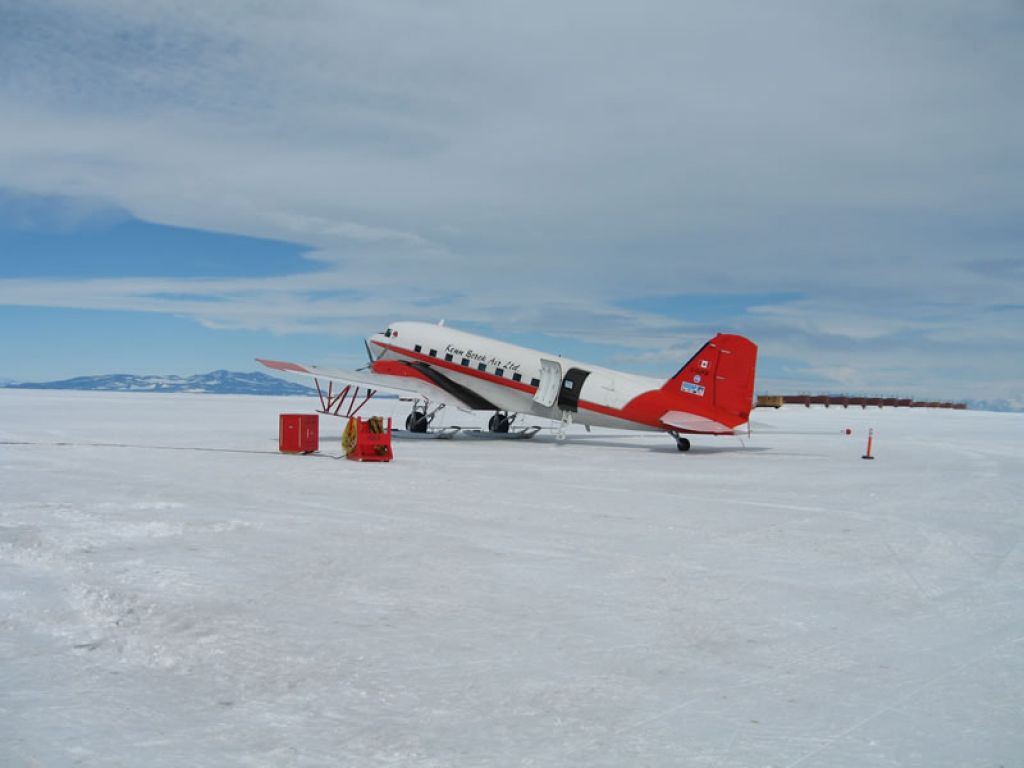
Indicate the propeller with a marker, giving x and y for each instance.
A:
(369, 356)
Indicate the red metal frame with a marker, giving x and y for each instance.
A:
(331, 403)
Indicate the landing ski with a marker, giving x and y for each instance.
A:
(484, 434)
(444, 433)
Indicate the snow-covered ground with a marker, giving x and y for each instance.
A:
(175, 592)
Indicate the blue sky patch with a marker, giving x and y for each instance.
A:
(54, 343)
(106, 246)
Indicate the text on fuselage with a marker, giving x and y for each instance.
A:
(480, 357)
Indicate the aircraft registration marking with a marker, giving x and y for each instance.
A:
(693, 389)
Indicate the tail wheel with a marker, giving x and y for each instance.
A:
(416, 421)
(499, 423)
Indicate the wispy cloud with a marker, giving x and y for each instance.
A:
(533, 166)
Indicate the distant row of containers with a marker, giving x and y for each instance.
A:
(777, 401)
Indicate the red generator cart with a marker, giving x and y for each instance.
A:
(367, 439)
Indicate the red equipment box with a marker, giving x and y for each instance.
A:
(299, 433)
(367, 439)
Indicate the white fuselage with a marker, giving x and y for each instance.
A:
(513, 378)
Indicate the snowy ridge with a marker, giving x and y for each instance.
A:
(219, 382)
(1011, 405)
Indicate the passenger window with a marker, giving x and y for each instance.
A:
(418, 348)
(465, 361)
(448, 358)
(499, 371)
(433, 353)
(534, 382)
(482, 367)
(517, 377)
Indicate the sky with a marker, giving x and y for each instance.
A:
(187, 186)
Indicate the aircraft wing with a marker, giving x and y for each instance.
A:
(399, 385)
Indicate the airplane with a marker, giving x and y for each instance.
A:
(711, 394)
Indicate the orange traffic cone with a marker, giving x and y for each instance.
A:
(867, 455)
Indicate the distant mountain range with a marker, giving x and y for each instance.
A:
(214, 382)
(256, 383)
(1005, 406)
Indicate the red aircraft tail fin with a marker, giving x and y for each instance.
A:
(720, 377)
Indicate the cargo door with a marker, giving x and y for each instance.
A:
(572, 385)
(550, 380)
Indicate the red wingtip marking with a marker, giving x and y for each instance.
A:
(281, 366)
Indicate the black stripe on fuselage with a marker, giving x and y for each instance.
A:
(466, 395)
